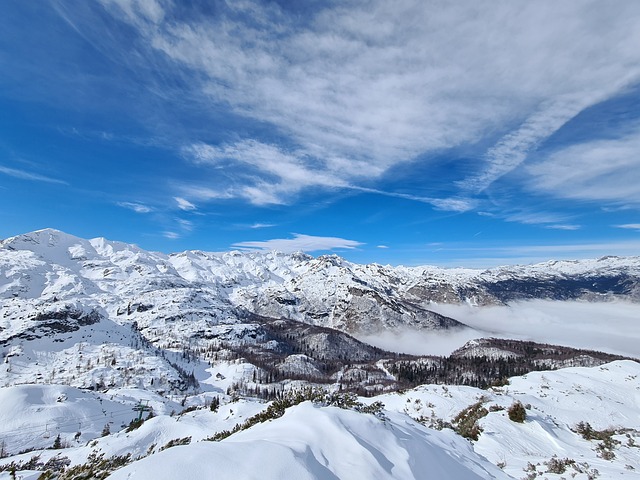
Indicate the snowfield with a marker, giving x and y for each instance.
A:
(310, 441)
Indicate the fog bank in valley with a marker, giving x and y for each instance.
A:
(612, 327)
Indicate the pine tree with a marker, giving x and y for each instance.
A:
(57, 443)
(106, 430)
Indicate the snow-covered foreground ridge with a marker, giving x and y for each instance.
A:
(581, 423)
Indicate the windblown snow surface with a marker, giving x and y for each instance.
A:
(316, 442)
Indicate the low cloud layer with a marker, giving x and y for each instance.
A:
(608, 326)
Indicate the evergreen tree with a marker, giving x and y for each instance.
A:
(57, 443)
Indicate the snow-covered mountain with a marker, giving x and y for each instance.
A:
(91, 329)
(96, 313)
(204, 290)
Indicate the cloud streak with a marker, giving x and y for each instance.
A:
(24, 175)
(136, 207)
(630, 226)
(184, 204)
(281, 173)
(300, 243)
(599, 170)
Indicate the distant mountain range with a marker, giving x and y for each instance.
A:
(98, 313)
(209, 289)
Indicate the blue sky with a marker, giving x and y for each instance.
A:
(410, 132)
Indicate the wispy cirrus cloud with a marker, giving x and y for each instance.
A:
(24, 175)
(453, 204)
(171, 235)
(300, 243)
(281, 173)
(184, 204)
(564, 226)
(359, 89)
(262, 225)
(544, 219)
(136, 207)
(629, 226)
(597, 170)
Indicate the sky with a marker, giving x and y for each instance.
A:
(469, 133)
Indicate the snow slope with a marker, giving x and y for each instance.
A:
(319, 442)
(310, 442)
(605, 397)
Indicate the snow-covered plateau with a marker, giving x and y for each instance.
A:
(247, 365)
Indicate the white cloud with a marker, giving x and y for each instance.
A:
(262, 225)
(630, 226)
(607, 326)
(185, 225)
(204, 193)
(361, 87)
(533, 218)
(382, 246)
(184, 204)
(137, 11)
(563, 226)
(420, 342)
(599, 170)
(281, 173)
(136, 207)
(300, 243)
(171, 235)
(24, 175)
(513, 148)
(454, 204)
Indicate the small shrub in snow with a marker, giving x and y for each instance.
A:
(517, 412)
(531, 470)
(175, 442)
(466, 422)
(52, 466)
(500, 382)
(607, 443)
(96, 468)
(558, 465)
(134, 424)
(347, 401)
